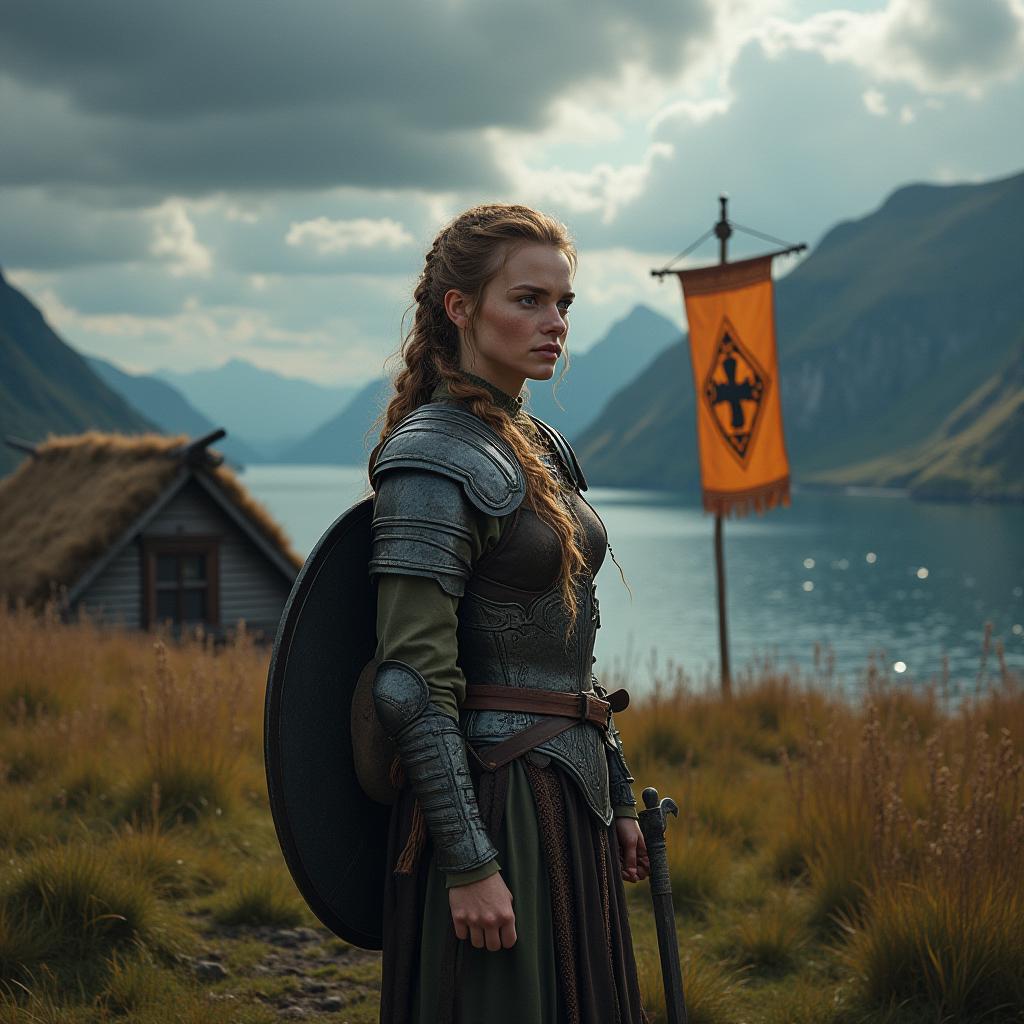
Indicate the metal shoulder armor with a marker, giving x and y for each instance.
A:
(435, 472)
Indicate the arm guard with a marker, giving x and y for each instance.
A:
(620, 782)
(433, 753)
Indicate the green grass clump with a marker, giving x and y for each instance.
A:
(70, 907)
(260, 895)
(135, 984)
(172, 865)
(959, 956)
(771, 939)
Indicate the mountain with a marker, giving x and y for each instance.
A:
(348, 438)
(168, 408)
(593, 376)
(46, 386)
(891, 324)
(267, 410)
(975, 452)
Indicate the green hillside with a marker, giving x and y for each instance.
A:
(45, 386)
(976, 452)
(890, 325)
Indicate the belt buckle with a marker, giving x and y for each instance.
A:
(584, 707)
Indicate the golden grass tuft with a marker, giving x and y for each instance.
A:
(707, 990)
(772, 938)
(262, 894)
(959, 955)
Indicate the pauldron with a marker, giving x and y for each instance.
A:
(436, 470)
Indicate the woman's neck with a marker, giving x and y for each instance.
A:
(510, 403)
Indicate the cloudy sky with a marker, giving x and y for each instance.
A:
(185, 182)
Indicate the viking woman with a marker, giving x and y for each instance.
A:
(516, 823)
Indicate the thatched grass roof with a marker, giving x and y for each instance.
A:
(63, 507)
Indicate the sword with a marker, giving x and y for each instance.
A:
(652, 824)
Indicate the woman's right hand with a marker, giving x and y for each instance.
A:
(482, 912)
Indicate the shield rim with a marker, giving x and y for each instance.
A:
(351, 519)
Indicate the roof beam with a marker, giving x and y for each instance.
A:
(19, 445)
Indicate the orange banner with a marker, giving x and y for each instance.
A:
(743, 463)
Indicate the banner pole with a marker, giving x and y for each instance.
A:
(723, 231)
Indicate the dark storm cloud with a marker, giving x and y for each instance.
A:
(952, 38)
(195, 96)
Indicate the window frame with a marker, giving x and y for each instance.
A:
(177, 544)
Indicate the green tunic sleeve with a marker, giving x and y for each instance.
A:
(417, 623)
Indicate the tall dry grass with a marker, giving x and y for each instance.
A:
(838, 859)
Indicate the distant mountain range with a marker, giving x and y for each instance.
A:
(898, 334)
(594, 376)
(168, 408)
(269, 411)
(901, 343)
(46, 387)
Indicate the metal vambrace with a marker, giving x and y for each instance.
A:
(620, 782)
(432, 750)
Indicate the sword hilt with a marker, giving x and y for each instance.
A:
(656, 809)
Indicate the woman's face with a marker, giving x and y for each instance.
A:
(520, 327)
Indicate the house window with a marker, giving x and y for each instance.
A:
(180, 584)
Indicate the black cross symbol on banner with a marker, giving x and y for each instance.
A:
(734, 389)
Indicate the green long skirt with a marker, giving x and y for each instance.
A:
(573, 958)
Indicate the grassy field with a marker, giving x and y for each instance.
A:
(833, 862)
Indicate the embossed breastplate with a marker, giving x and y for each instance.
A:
(514, 631)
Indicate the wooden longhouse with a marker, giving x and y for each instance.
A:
(140, 531)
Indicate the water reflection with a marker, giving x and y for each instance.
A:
(865, 574)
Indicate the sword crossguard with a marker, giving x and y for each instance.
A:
(664, 805)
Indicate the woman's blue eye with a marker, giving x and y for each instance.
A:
(528, 298)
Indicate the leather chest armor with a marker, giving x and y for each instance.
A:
(438, 468)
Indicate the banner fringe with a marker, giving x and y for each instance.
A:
(742, 503)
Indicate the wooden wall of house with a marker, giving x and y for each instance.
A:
(115, 597)
(251, 588)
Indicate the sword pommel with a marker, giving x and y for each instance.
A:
(663, 806)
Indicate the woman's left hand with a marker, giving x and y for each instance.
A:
(632, 850)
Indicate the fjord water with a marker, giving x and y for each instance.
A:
(867, 576)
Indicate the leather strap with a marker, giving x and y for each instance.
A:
(561, 712)
(586, 706)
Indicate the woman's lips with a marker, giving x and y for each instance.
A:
(549, 350)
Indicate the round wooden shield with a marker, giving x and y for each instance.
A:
(333, 836)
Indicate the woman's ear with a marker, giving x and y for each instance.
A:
(456, 306)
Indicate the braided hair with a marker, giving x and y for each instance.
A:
(465, 256)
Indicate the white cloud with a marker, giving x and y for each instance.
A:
(603, 189)
(932, 45)
(338, 236)
(175, 240)
(874, 101)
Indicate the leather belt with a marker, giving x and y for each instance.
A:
(561, 712)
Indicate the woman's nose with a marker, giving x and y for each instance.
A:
(554, 323)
